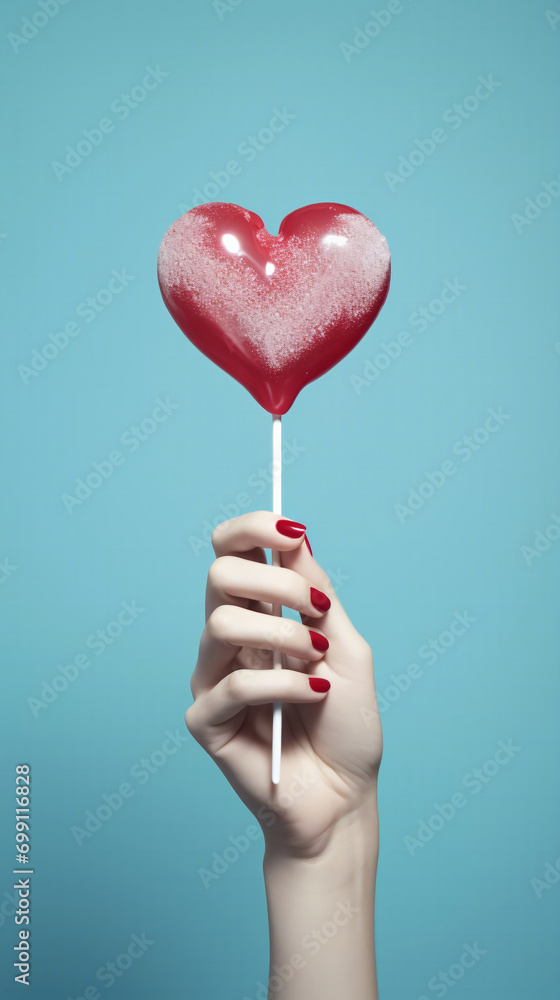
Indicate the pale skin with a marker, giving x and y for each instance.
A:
(320, 823)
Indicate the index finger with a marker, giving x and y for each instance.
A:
(257, 530)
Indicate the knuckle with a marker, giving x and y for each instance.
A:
(237, 683)
(218, 572)
(191, 716)
(220, 622)
(217, 533)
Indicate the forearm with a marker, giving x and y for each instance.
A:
(321, 914)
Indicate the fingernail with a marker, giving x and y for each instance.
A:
(306, 540)
(319, 684)
(319, 641)
(319, 600)
(291, 529)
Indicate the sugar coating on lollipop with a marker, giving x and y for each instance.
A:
(282, 301)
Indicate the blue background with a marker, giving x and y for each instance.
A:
(363, 447)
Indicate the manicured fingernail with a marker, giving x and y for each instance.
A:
(319, 684)
(306, 540)
(291, 529)
(319, 600)
(319, 641)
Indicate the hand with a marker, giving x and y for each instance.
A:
(331, 748)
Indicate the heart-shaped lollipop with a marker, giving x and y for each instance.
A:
(276, 312)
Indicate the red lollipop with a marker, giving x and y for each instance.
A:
(276, 312)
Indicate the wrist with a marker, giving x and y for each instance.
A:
(344, 856)
(358, 826)
(321, 911)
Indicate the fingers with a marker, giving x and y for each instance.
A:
(257, 529)
(245, 538)
(244, 688)
(236, 580)
(262, 529)
(229, 628)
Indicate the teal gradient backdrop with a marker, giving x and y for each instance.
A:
(474, 208)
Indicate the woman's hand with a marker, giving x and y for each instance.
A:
(331, 750)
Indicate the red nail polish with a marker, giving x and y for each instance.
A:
(319, 600)
(319, 684)
(319, 641)
(291, 529)
(306, 540)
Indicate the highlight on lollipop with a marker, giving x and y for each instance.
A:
(274, 312)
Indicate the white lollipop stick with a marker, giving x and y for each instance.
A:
(276, 608)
